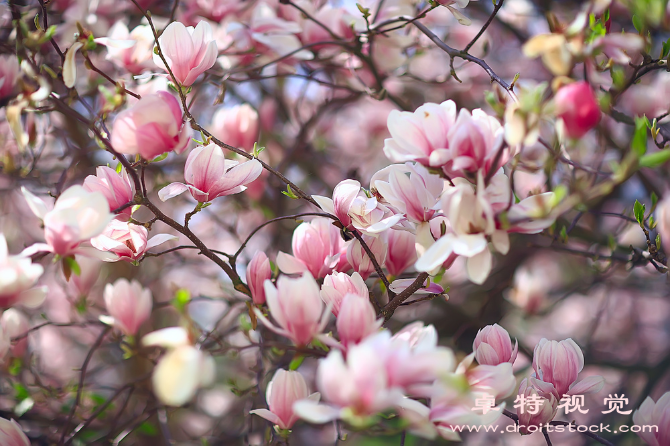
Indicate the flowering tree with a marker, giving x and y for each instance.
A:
(398, 220)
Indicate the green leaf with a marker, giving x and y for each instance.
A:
(654, 200)
(638, 23)
(658, 241)
(639, 142)
(289, 193)
(666, 49)
(365, 11)
(147, 428)
(655, 159)
(159, 158)
(638, 210)
(296, 362)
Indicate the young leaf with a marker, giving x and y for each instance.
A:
(655, 159)
(296, 362)
(638, 210)
(639, 142)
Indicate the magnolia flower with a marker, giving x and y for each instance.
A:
(152, 126)
(548, 406)
(127, 241)
(128, 305)
(337, 285)
(421, 136)
(654, 414)
(356, 209)
(188, 51)
(14, 323)
(359, 259)
(558, 364)
(471, 216)
(475, 142)
(410, 189)
(9, 73)
(77, 216)
(357, 387)
(357, 319)
(11, 434)
(130, 50)
(236, 126)
(577, 107)
(117, 188)
(296, 307)
(70, 64)
(258, 271)
(182, 370)
(497, 380)
(209, 175)
(17, 279)
(282, 392)
(401, 251)
(316, 248)
(493, 346)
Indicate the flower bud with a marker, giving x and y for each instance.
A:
(128, 304)
(11, 434)
(654, 414)
(286, 388)
(360, 260)
(236, 126)
(258, 271)
(356, 320)
(337, 285)
(578, 108)
(493, 346)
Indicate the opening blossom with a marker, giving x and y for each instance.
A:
(209, 175)
(18, 275)
(316, 247)
(188, 51)
(77, 216)
(11, 434)
(150, 127)
(337, 285)
(128, 305)
(296, 307)
(117, 188)
(282, 392)
(654, 414)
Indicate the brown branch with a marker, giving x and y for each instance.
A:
(389, 309)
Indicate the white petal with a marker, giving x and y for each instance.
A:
(479, 266)
(159, 239)
(33, 297)
(325, 203)
(314, 412)
(70, 65)
(177, 375)
(37, 205)
(436, 254)
(167, 337)
(172, 190)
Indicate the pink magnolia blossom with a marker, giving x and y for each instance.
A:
(296, 307)
(358, 209)
(359, 259)
(493, 346)
(128, 304)
(130, 50)
(17, 279)
(546, 411)
(401, 251)
(495, 380)
(209, 175)
(127, 241)
(354, 388)
(334, 18)
(282, 392)
(577, 107)
(188, 51)
(77, 216)
(14, 323)
(182, 370)
(258, 271)
(654, 414)
(558, 365)
(421, 136)
(236, 126)
(117, 188)
(410, 189)
(356, 320)
(337, 285)
(316, 248)
(413, 357)
(9, 73)
(475, 141)
(11, 434)
(152, 126)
